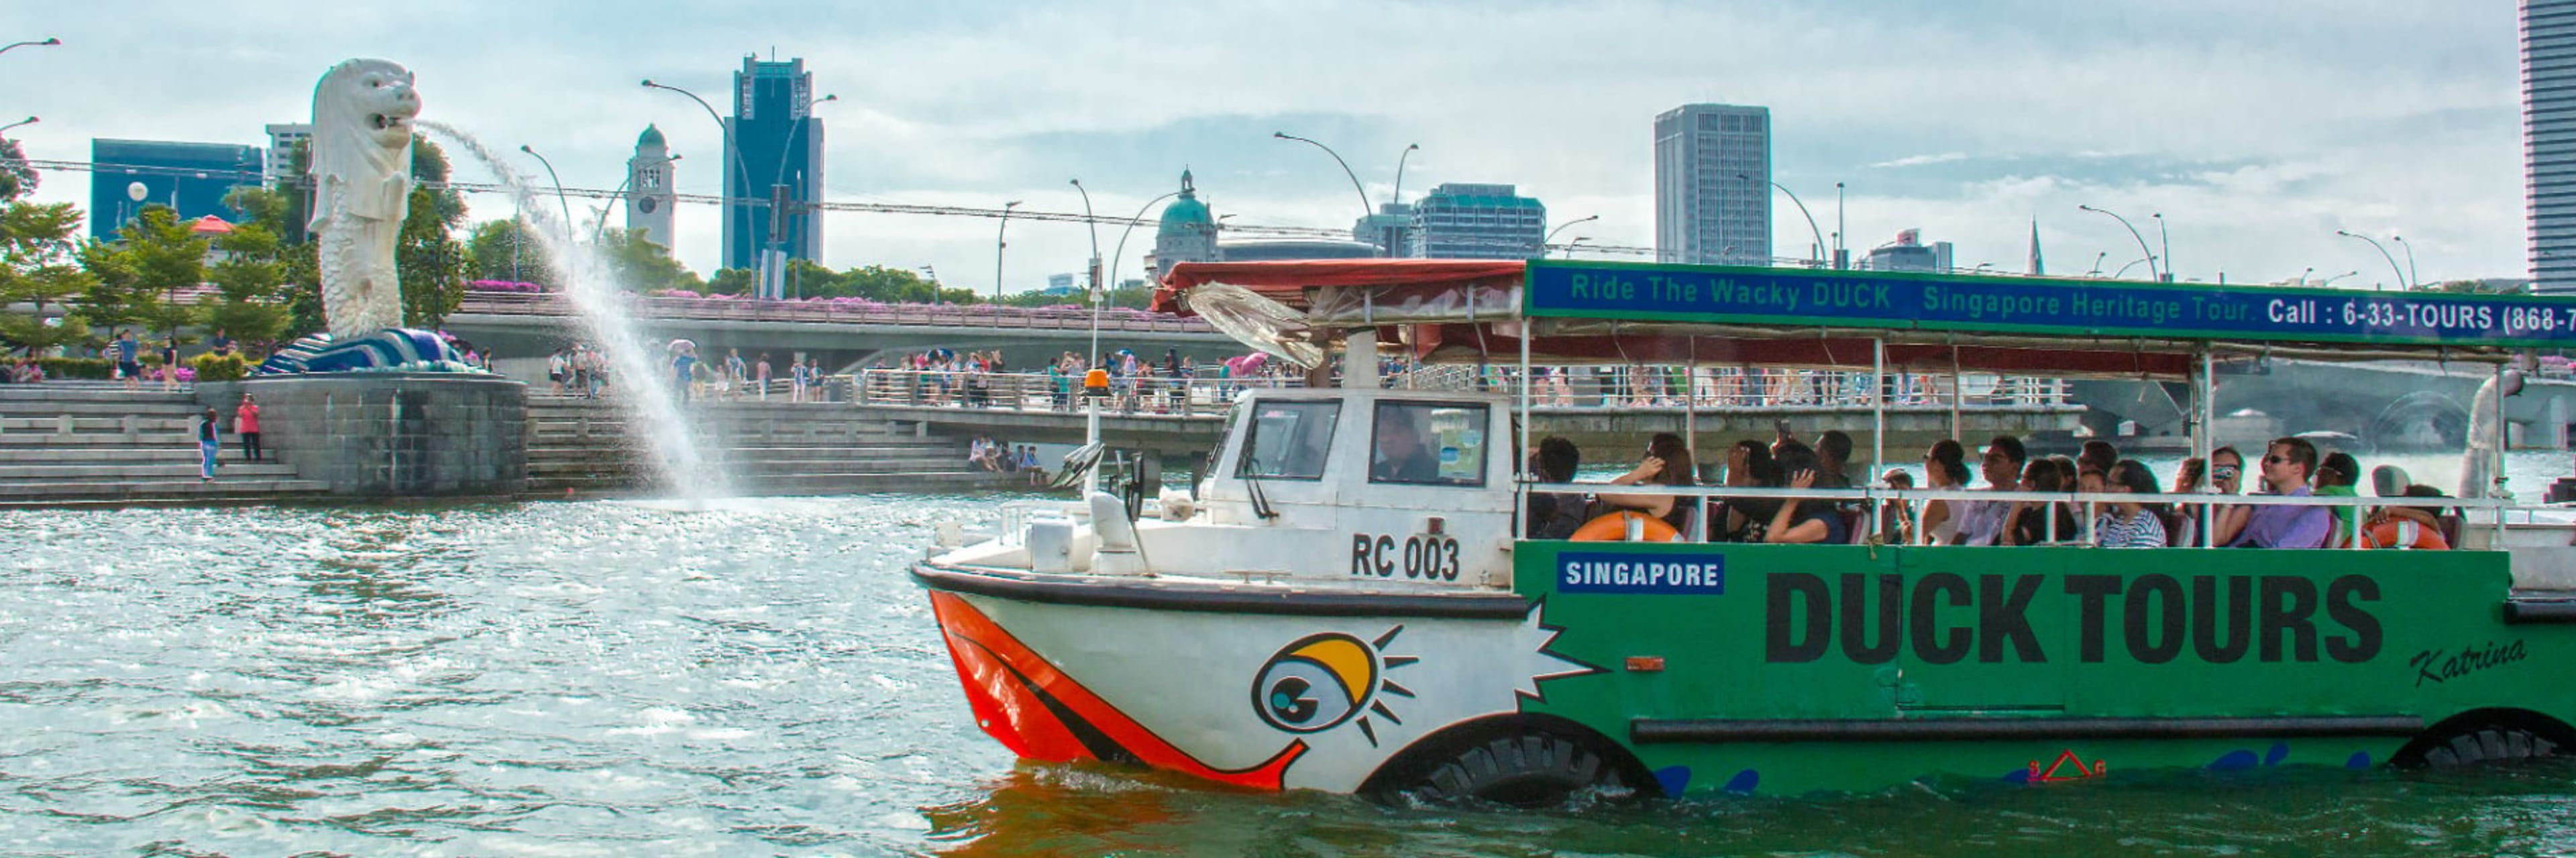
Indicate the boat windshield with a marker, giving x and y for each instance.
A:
(1288, 440)
(1429, 443)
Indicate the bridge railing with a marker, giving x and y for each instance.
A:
(1031, 391)
(1207, 395)
(843, 312)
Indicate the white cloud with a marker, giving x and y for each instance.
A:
(1920, 160)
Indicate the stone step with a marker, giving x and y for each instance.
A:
(13, 491)
(93, 408)
(228, 465)
(102, 455)
(13, 423)
(54, 391)
(174, 440)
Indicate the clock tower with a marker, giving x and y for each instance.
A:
(648, 187)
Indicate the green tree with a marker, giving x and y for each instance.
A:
(428, 259)
(137, 278)
(16, 178)
(39, 267)
(732, 281)
(642, 266)
(507, 250)
(251, 271)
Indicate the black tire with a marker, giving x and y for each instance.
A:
(1531, 769)
(2488, 745)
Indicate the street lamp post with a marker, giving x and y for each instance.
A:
(2097, 264)
(2133, 233)
(1365, 209)
(998, 245)
(1119, 254)
(43, 44)
(1551, 234)
(4, 129)
(733, 154)
(1841, 260)
(2165, 239)
(781, 209)
(2330, 280)
(2412, 280)
(2151, 266)
(2383, 252)
(1091, 416)
(1569, 246)
(560, 199)
(1802, 210)
(2303, 275)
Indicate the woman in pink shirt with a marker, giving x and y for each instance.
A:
(246, 424)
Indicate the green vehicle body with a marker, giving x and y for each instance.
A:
(2043, 663)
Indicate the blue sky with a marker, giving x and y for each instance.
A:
(2257, 129)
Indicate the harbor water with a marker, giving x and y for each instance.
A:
(760, 677)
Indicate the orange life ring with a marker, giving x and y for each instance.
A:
(2404, 533)
(1613, 527)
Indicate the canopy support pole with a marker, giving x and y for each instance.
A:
(1877, 408)
(1958, 388)
(1690, 406)
(1520, 464)
(2204, 432)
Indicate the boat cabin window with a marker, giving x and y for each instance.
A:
(1428, 444)
(1288, 440)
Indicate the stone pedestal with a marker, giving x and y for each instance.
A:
(391, 434)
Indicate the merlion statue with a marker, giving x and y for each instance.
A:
(361, 166)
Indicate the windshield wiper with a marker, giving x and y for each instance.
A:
(1252, 482)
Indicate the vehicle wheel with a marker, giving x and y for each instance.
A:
(1527, 770)
(2488, 745)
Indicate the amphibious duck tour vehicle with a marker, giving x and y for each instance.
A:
(1350, 603)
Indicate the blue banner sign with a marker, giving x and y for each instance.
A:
(1695, 574)
(1870, 299)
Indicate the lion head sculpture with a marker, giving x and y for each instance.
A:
(362, 129)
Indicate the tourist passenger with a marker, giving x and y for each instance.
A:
(556, 367)
(1748, 465)
(1896, 520)
(1804, 520)
(1554, 515)
(209, 439)
(2338, 476)
(760, 375)
(1833, 457)
(246, 425)
(2036, 522)
(2130, 522)
(2226, 476)
(2093, 465)
(731, 384)
(1667, 463)
(1983, 522)
(1943, 470)
(2286, 467)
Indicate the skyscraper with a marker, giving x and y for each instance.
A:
(2549, 143)
(1713, 185)
(1464, 221)
(649, 178)
(775, 171)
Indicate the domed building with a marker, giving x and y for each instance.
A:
(1187, 232)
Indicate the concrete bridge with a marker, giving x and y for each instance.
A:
(523, 329)
(1185, 419)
